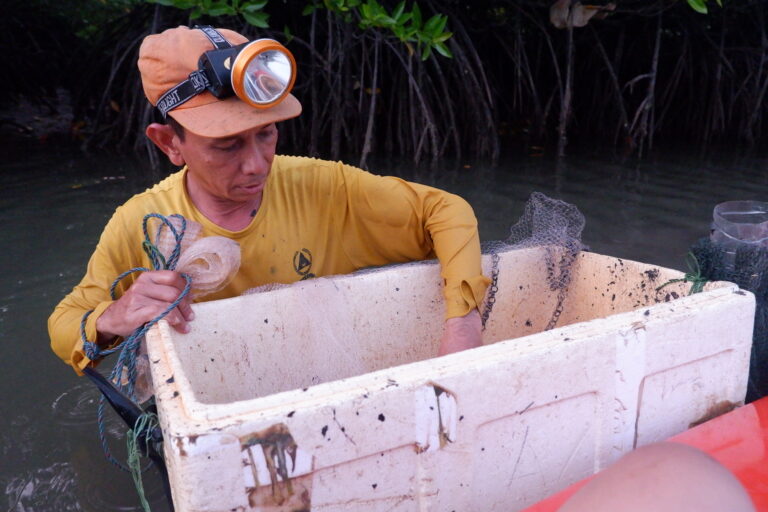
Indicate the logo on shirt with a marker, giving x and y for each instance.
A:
(302, 264)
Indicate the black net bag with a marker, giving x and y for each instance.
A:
(746, 266)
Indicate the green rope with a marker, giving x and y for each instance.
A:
(154, 254)
(146, 423)
(693, 276)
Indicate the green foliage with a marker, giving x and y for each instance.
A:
(700, 6)
(252, 11)
(406, 25)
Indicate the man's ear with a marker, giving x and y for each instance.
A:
(165, 138)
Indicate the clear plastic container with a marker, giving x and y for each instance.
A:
(738, 223)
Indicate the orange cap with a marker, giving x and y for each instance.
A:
(166, 59)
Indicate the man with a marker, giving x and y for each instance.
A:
(335, 218)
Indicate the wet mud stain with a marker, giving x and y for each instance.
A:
(279, 451)
(717, 409)
(652, 274)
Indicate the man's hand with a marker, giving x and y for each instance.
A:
(461, 333)
(147, 298)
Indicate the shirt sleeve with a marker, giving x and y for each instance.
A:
(115, 252)
(387, 219)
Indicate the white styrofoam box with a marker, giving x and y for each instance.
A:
(326, 395)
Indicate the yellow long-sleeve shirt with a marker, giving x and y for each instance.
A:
(316, 218)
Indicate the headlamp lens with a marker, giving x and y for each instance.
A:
(267, 76)
(263, 73)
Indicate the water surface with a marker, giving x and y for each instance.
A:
(54, 203)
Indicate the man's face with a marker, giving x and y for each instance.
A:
(231, 169)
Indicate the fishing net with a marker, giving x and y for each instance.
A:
(210, 261)
(747, 266)
(555, 226)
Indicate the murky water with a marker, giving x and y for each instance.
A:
(53, 204)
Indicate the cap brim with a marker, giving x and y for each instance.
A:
(224, 118)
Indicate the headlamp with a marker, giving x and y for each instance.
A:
(261, 73)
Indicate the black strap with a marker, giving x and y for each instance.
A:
(214, 36)
(197, 81)
(183, 92)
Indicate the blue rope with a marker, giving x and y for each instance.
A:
(130, 347)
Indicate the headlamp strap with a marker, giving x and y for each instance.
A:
(197, 81)
(183, 92)
(214, 36)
